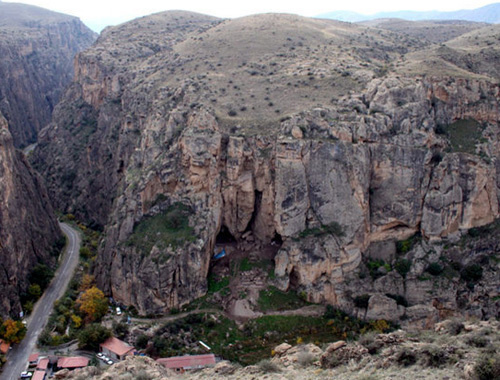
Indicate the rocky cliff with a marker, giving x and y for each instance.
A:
(28, 227)
(321, 139)
(37, 48)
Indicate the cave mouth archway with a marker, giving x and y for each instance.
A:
(277, 240)
(224, 236)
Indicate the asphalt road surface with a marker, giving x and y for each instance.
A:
(17, 358)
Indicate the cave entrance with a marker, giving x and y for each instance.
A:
(294, 279)
(224, 237)
(277, 240)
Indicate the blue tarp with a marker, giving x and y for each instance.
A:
(219, 255)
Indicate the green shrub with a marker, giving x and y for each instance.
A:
(92, 335)
(330, 361)
(370, 342)
(434, 356)
(141, 341)
(472, 273)
(406, 357)
(374, 265)
(455, 327)
(85, 253)
(405, 246)
(267, 366)
(434, 269)
(305, 358)
(487, 367)
(402, 266)
(120, 330)
(333, 228)
(41, 274)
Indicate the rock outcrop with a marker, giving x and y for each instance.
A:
(168, 143)
(28, 226)
(37, 47)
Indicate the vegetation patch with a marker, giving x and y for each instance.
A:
(333, 229)
(255, 340)
(403, 267)
(169, 228)
(274, 299)
(463, 135)
(374, 268)
(216, 284)
(405, 246)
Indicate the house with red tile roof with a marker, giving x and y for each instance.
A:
(39, 375)
(72, 362)
(33, 359)
(43, 364)
(4, 347)
(182, 363)
(116, 348)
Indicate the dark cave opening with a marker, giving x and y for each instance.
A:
(277, 240)
(224, 236)
(294, 279)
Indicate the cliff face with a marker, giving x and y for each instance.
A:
(312, 148)
(37, 48)
(28, 226)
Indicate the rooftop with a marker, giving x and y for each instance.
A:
(33, 357)
(38, 375)
(72, 362)
(4, 347)
(117, 346)
(43, 363)
(188, 361)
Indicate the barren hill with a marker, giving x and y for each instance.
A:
(433, 31)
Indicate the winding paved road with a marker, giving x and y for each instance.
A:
(17, 359)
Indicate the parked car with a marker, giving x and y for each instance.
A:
(100, 355)
(26, 375)
(109, 362)
(118, 311)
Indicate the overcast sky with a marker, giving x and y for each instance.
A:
(98, 13)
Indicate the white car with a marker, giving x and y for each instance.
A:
(26, 375)
(109, 362)
(118, 311)
(100, 355)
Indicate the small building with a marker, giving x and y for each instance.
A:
(33, 359)
(4, 347)
(116, 349)
(43, 364)
(39, 375)
(72, 362)
(183, 363)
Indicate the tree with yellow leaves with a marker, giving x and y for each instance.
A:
(93, 304)
(87, 282)
(12, 331)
